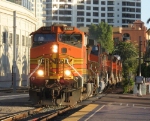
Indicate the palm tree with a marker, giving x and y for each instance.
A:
(126, 50)
(128, 53)
(148, 21)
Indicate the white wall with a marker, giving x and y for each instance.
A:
(25, 24)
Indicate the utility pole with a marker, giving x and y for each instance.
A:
(140, 43)
(139, 85)
(14, 52)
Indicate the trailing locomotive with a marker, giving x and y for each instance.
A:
(67, 67)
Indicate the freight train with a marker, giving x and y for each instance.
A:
(67, 67)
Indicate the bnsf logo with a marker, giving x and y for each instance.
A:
(60, 61)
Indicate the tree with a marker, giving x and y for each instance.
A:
(128, 53)
(102, 33)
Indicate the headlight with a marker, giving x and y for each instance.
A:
(55, 48)
(67, 72)
(40, 72)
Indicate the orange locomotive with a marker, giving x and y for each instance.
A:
(65, 66)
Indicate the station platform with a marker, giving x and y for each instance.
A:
(89, 112)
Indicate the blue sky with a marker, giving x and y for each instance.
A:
(145, 12)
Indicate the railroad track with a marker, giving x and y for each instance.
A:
(46, 113)
(18, 90)
(37, 114)
(19, 116)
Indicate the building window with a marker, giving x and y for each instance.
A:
(138, 10)
(102, 8)
(81, 7)
(27, 44)
(102, 2)
(17, 39)
(126, 36)
(110, 14)
(102, 14)
(138, 4)
(138, 16)
(10, 38)
(88, 20)
(95, 20)
(88, 1)
(102, 20)
(116, 40)
(95, 8)
(88, 14)
(88, 8)
(80, 13)
(55, 12)
(95, 13)
(23, 40)
(96, 2)
(4, 37)
(80, 19)
(110, 2)
(110, 20)
(80, 25)
(110, 9)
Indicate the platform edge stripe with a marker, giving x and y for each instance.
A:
(76, 116)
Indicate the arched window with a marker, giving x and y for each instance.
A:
(126, 37)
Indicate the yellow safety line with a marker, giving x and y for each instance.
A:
(78, 115)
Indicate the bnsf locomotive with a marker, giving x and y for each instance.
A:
(67, 67)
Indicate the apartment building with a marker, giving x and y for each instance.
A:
(82, 13)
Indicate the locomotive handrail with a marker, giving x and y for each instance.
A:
(39, 63)
(75, 71)
(92, 70)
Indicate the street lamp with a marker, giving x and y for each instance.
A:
(14, 52)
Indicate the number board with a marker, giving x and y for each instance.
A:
(46, 28)
(68, 28)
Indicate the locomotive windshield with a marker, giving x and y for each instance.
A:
(39, 39)
(44, 37)
(72, 39)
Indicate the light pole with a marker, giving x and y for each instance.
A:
(139, 85)
(14, 52)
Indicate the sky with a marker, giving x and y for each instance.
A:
(145, 12)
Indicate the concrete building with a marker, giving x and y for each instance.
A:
(35, 6)
(82, 13)
(25, 3)
(25, 24)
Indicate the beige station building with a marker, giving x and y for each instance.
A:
(25, 24)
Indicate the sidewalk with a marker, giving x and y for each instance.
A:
(135, 96)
